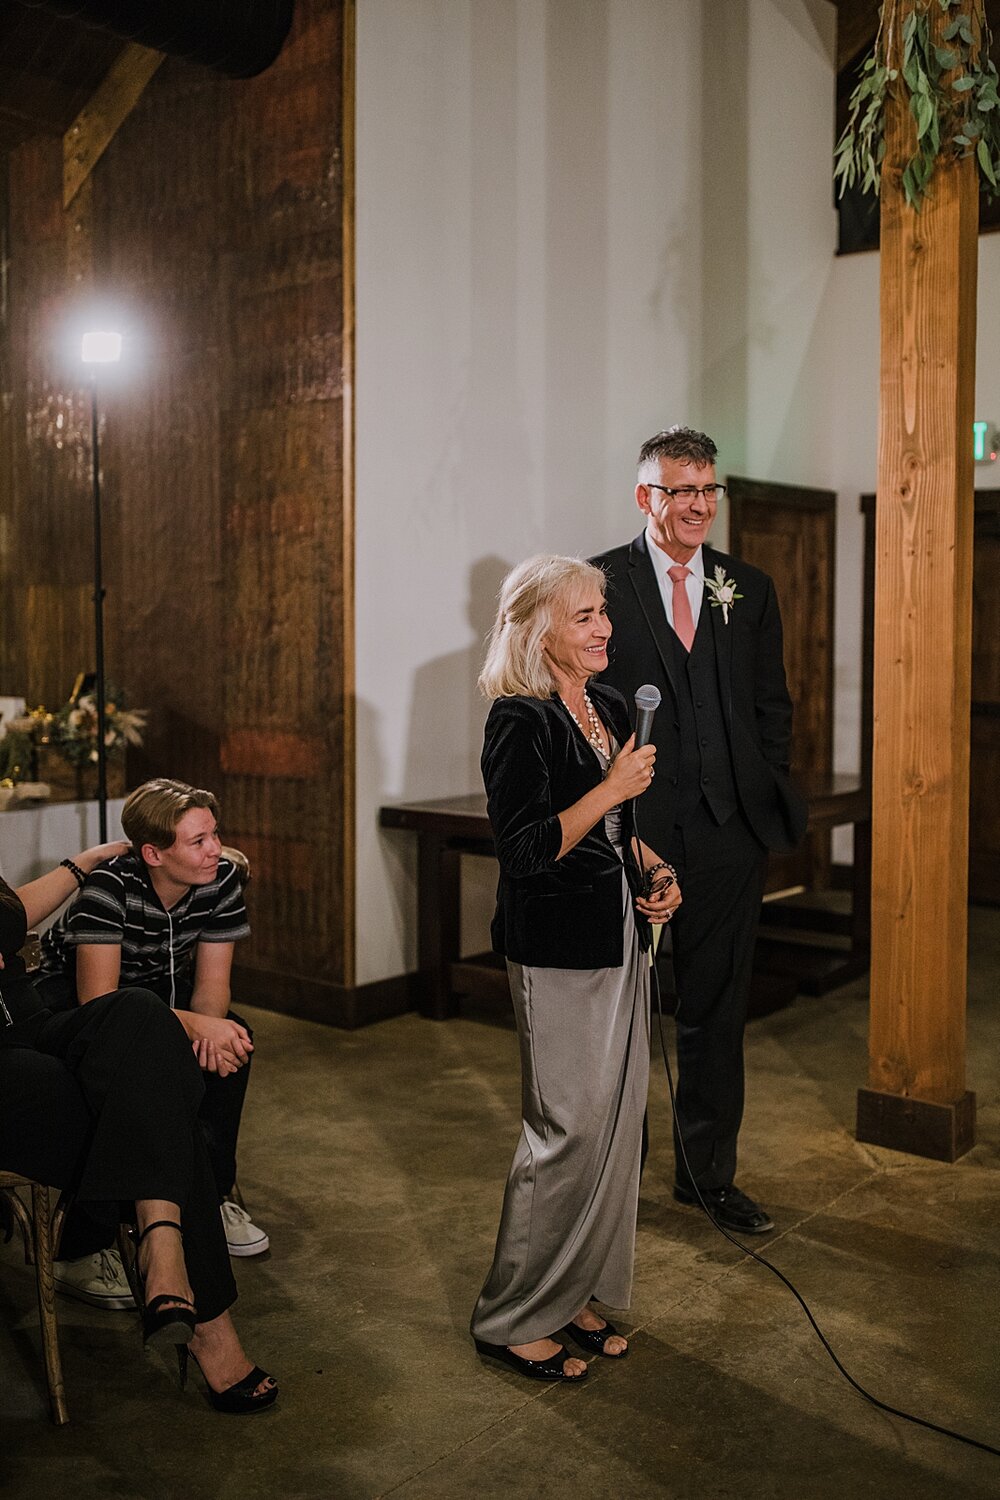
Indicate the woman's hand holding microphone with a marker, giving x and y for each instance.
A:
(631, 771)
(630, 776)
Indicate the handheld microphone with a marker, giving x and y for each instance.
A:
(647, 701)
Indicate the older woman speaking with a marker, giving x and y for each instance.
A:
(572, 916)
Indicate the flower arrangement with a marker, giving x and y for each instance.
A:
(74, 728)
(16, 755)
(72, 731)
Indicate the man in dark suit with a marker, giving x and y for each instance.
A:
(705, 628)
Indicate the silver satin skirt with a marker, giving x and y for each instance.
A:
(567, 1229)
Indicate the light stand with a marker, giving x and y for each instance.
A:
(99, 348)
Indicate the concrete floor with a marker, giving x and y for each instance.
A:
(376, 1159)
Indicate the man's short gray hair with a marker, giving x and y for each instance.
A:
(682, 443)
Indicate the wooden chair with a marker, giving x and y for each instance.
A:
(40, 1229)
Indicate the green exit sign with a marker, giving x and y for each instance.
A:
(983, 443)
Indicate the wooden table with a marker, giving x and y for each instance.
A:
(793, 929)
(448, 827)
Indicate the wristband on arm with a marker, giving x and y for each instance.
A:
(664, 883)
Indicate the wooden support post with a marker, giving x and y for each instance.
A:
(94, 128)
(917, 1099)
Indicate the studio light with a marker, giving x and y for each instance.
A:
(99, 347)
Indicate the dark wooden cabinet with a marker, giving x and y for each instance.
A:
(791, 533)
(812, 938)
(984, 737)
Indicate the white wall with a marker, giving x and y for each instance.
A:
(579, 221)
(528, 293)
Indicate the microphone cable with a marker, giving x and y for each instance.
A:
(895, 1411)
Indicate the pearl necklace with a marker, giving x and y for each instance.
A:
(595, 737)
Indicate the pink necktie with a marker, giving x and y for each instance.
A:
(683, 619)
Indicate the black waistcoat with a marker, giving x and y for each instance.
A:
(704, 769)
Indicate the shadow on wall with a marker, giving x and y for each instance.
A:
(444, 743)
(447, 713)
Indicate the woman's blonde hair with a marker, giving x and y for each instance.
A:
(533, 597)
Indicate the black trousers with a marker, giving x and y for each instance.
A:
(220, 1113)
(721, 871)
(222, 1107)
(105, 1104)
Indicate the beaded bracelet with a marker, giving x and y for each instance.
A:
(74, 870)
(661, 866)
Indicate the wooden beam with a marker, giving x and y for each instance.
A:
(348, 738)
(79, 227)
(95, 126)
(917, 1098)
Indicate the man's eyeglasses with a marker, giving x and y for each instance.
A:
(688, 491)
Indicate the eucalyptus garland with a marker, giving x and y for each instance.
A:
(952, 91)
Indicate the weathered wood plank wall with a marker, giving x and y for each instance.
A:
(217, 218)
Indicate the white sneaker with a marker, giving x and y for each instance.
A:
(98, 1279)
(242, 1235)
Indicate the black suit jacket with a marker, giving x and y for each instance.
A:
(558, 913)
(755, 702)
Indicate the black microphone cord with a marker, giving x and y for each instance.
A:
(894, 1411)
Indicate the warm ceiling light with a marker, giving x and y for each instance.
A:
(101, 348)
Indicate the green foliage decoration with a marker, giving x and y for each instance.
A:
(952, 93)
(16, 751)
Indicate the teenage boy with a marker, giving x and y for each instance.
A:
(164, 916)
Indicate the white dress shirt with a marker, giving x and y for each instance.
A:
(694, 583)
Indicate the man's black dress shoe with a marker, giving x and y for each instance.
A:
(730, 1208)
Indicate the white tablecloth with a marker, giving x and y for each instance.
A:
(34, 839)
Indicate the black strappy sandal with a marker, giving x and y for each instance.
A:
(167, 1319)
(239, 1400)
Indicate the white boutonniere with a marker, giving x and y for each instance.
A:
(723, 592)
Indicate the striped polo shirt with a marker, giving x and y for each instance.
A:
(117, 904)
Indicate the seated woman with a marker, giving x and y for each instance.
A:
(124, 1064)
(561, 770)
(164, 914)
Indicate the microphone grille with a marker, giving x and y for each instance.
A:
(647, 696)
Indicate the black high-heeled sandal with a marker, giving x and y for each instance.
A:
(167, 1319)
(238, 1400)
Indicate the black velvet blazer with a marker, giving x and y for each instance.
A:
(557, 913)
